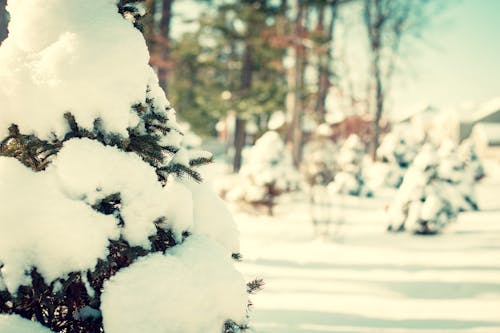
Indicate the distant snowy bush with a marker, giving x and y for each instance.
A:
(267, 172)
(468, 155)
(104, 226)
(350, 178)
(397, 151)
(435, 189)
(319, 158)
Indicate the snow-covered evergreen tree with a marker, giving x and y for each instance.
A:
(434, 190)
(468, 155)
(318, 170)
(319, 162)
(103, 225)
(397, 151)
(267, 172)
(420, 205)
(350, 180)
(453, 170)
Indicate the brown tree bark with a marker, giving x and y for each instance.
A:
(295, 132)
(325, 60)
(374, 20)
(166, 17)
(246, 83)
(379, 105)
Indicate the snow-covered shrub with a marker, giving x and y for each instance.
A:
(434, 190)
(267, 172)
(420, 205)
(453, 170)
(318, 170)
(397, 151)
(350, 180)
(468, 155)
(319, 162)
(103, 225)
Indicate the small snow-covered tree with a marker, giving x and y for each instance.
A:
(267, 172)
(397, 151)
(453, 170)
(435, 189)
(318, 170)
(420, 204)
(319, 162)
(350, 180)
(468, 155)
(104, 226)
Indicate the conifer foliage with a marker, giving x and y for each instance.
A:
(437, 186)
(103, 218)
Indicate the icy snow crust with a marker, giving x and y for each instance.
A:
(201, 287)
(76, 56)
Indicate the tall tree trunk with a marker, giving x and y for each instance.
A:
(3, 20)
(374, 20)
(149, 26)
(239, 142)
(246, 83)
(379, 104)
(166, 17)
(298, 103)
(325, 62)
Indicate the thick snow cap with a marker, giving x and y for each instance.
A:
(72, 56)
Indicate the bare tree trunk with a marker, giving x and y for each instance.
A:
(3, 20)
(246, 83)
(239, 142)
(325, 62)
(379, 105)
(298, 103)
(374, 20)
(148, 23)
(166, 17)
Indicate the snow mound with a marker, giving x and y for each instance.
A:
(199, 285)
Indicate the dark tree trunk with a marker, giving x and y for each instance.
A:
(166, 17)
(239, 142)
(246, 83)
(148, 23)
(325, 61)
(374, 20)
(379, 105)
(298, 104)
(3, 20)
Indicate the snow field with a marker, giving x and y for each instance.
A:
(363, 279)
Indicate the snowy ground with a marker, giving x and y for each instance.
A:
(364, 279)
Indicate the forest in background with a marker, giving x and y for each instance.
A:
(246, 60)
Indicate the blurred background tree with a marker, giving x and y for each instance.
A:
(244, 60)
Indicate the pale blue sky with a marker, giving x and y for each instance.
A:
(460, 62)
